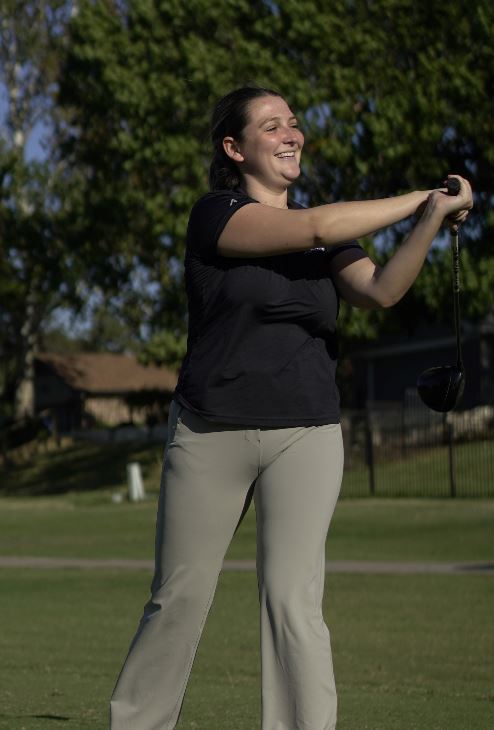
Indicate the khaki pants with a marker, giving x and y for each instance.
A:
(209, 473)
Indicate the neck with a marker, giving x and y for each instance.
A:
(266, 196)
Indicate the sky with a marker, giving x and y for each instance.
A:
(34, 150)
(61, 318)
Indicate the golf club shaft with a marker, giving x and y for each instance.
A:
(453, 186)
(455, 253)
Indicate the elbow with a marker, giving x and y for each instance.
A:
(385, 300)
(388, 301)
(384, 294)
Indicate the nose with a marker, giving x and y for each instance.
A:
(290, 136)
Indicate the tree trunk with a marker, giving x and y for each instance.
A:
(24, 396)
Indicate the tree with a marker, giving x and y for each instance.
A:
(103, 332)
(35, 269)
(137, 86)
(393, 95)
(403, 98)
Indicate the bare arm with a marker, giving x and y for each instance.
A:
(260, 230)
(364, 284)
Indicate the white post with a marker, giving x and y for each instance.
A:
(134, 481)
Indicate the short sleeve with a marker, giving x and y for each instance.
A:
(333, 251)
(208, 218)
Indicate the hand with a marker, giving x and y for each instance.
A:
(452, 208)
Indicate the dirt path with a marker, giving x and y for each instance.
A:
(333, 566)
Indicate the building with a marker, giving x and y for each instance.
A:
(81, 389)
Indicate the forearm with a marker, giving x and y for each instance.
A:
(261, 230)
(363, 284)
(339, 222)
(392, 281)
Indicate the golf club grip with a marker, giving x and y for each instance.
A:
(453, 186)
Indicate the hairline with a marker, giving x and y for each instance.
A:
(276, 118)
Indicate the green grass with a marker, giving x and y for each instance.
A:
(90, 526)
(425, 472)
(409, 652)
(80, 467)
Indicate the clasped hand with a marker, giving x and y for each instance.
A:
(454, 208)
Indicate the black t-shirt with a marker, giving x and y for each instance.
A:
(261, 347)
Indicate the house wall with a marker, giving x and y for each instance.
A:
(70, 409)
(50, 390)
(53, 397)
(112, 410)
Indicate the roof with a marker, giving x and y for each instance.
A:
(108, 373)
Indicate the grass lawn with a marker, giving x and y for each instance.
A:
(426, 472)
(410, 652)
(80, 467)
(91, 526)
(85, 468)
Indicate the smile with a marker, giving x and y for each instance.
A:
(285, 154)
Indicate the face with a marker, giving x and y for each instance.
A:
(271, 145)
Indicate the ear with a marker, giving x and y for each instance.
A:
(232, 149)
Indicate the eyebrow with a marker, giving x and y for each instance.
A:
(276, 119)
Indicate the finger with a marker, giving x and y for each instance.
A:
(459, 215)
(455, 221)
(465, 191)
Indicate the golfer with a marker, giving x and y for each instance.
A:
(255, 412)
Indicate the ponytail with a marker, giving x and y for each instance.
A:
(223, 172)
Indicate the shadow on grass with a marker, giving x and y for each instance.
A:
(79, 467)
(57, 718)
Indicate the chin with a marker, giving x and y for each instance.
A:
(289, 179)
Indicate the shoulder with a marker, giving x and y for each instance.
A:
(209, 216)
(219, 202)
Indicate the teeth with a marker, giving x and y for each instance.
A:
(285, 154)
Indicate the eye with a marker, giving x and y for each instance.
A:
(271, 129)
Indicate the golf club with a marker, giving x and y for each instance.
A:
(441, 387)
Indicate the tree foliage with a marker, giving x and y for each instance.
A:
(35, 270)
(393, 95)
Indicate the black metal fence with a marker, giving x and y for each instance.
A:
(405, 449)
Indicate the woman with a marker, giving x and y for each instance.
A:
(256, 411)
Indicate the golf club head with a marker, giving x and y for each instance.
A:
(440, 388)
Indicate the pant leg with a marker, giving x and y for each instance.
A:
(206, 476)
(295, 497)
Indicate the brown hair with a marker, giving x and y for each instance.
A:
(229, 119)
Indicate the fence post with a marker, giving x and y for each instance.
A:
(369, 449)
